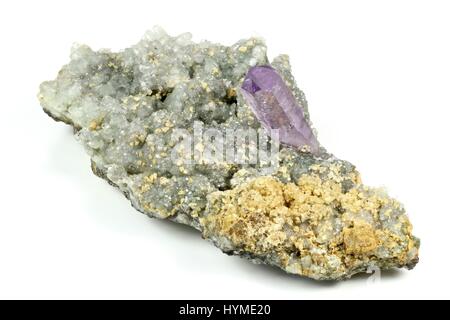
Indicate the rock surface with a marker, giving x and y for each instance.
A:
(310, 215)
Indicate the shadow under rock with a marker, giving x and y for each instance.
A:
(284, 278)
(177, 229)
(384, 275)
(276, 275)
(272, 275)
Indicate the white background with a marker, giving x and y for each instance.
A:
(376, 75)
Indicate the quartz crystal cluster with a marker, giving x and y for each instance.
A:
(311, 215)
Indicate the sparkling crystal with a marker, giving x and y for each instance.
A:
(276, 108)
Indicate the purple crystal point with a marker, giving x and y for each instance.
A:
(275, 107)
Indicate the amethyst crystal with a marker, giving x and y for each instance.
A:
(275, 107)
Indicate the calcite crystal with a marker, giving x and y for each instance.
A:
(309, 214)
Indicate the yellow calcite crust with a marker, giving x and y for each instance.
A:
(313, 227)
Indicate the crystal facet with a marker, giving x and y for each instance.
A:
(276, 107)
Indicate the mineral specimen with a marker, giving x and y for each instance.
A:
(138, 114)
